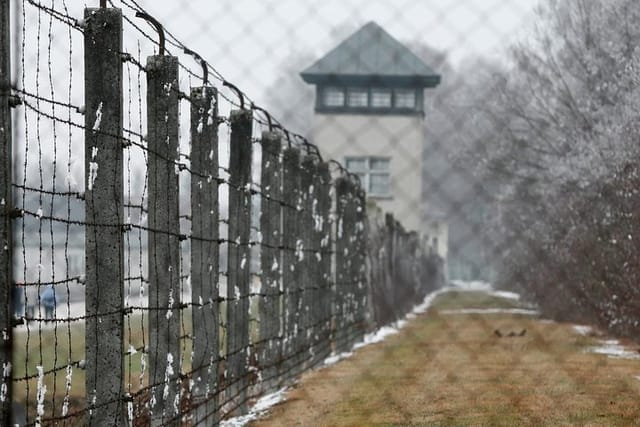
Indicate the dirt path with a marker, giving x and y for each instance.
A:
(452, 369)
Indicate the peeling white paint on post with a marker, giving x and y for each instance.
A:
(164, 240)
(353, 264)
(239, 277)
(104, 243)
(204, 254)
(326, 243)
(290, 268)
(6, 237)
(343, 292)
(360, 263)
(270, 308)
(309, 265)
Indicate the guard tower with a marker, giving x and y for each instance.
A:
(369, 114)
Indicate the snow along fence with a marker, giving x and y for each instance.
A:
(176, 253)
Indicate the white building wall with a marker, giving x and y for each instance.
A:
(399, 138)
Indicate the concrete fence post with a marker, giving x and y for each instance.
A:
(290, 267)
(239, 260)
(351, 288)
(204, 254)
(343, 279)
(270, 308)
(164, 238)
(389, 263)
(308, 259)
(360, 261)
(6, 204)
(326, 255)
(104, 240)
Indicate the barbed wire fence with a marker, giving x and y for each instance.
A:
(169, 267)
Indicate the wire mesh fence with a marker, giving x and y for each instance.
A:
(178, 251)
(174, 249)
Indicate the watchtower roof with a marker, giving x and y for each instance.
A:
(371, 54)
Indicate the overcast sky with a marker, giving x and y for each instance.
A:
(247, 40)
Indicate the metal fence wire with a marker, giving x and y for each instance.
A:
(176, 250)
(172, 249)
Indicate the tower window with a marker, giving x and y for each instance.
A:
(369, 100)
(380, 98)
(358, 97)
(374, 174)
(333, 97)
(405, 98)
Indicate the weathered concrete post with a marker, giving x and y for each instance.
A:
(389, 262)
(290, 268)
(239, 267)
(204, 254)
(343, 279)
(6, 204)
(325, 247)
(351, 288)
(270, 309)
(164, 238)
(104, 206)
(360, 262)
(308, 274)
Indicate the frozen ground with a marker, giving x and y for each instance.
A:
(612, 348)
(268, 401)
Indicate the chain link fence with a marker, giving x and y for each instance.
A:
(202, 201)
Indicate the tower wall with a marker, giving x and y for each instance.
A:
(399, 138)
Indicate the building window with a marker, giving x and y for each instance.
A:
(356, 164)
(333, 97)
(405, 98)
(374, 174)
(358, 98)
(369, 100)
(380, 98)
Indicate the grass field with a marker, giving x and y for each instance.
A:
(454, 370)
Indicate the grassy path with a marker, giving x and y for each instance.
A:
(448, 369)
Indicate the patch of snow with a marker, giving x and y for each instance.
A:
(614, 350)
(480, 286)
(376, 337)
(424, 306)
(471, 286)
(491, 311)
(332, 360)
(261, 406)
(583, 330)
(506, 294)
